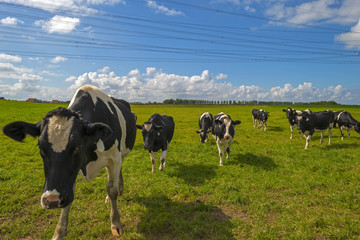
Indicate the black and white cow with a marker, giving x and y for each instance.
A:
(344, 120)
(309, 122)
(260, 116)
(94, 132)
(157, 134)
(223, 130)
(291, 115)
(205, 123)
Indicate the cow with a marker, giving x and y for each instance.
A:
(291, 115)
(223, 130)
(309, 122)
(94, 132)
(260, 116)
(205, 123)
(157, 134)
(344, 120)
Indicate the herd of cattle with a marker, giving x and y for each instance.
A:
(98, 131)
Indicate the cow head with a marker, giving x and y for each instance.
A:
(204, 135)
(226, 125)
(303, 120)
(150, 132)
(64, 140)
(357, 127)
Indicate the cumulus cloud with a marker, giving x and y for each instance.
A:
(352, 38)
(9, 58)
(58, 59)
(10, 21)
(347, 12)
(156, 85)
(58, 24)
(163, 9)
(81, 7)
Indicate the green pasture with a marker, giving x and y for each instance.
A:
(270, 188)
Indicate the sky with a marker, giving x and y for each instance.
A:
(152, 50)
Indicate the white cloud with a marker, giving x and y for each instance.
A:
(163, 9)
(9, 71)
(347, 12)
(352, 38)
(58, 59)
(10, 21)
(155, 85)
(59, 24)
(9, 58)
(221, 76)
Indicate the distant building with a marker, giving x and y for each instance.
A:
(55, 101)
(34, 100)
(2, 98)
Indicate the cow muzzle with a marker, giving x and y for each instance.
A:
(51, 199)
(147, 147)
(227, 137)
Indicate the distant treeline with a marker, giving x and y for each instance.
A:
(233, 102)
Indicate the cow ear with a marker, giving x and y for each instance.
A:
(237, 122)
(284, 110)
(18, 130)
(139, 126)
(98, 131)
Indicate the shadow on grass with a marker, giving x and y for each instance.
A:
(342, 145)
(274, 129)
(194, 174)
(164, 218)
(261, 162)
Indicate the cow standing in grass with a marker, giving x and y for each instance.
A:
(223, 130)
(94, 132)
(205, 123)
(292, 115)
(309, 122)
(345, 121)
(260, 116)
(157, 134)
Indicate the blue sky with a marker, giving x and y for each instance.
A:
(151, 50)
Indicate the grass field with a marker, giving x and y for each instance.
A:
(270, 188)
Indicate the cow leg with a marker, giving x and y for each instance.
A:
(322, 136)
(228, 150)
(163, 160)
(220, 151)
(292, 131)
(342, 133)
(307, 138)
(265, 126)
(348, 133)
(300, 134)
(152, 159)
(254, 121)
(330, 134)
(112, 191)
(61, 227)
(121, 183)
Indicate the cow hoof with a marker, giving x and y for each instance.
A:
(116, 231)
(107, 199)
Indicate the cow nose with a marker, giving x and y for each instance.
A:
(147, 147)
(51, 199)
(227, 137)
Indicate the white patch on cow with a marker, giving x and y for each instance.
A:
(205, 114)
(100, 146)
(49, 195)
(59, 132)
(338, 117)
(147, 126)
(108, 158)
(227, 123)
(96, 93)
